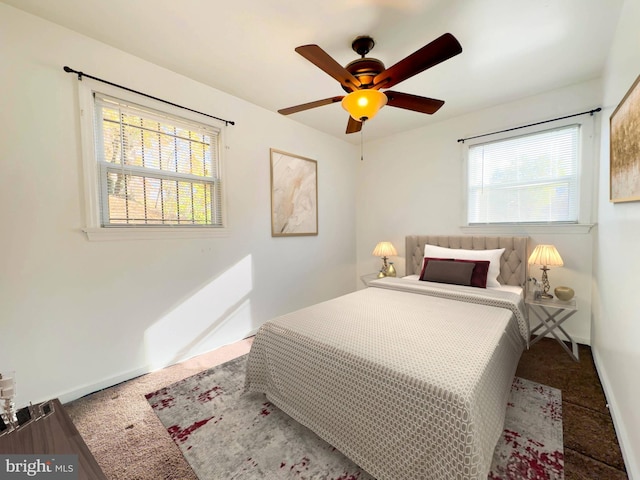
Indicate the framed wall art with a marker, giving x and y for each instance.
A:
(294, 195)
(624, 144)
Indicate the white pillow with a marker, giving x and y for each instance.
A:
(459, 254)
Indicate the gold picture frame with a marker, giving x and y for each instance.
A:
(294, 195)
(624, 148)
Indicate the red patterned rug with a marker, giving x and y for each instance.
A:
(227, 434)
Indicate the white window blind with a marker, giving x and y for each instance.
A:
(155, 169)
(527, 179)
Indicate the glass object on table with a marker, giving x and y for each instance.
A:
(391, 271)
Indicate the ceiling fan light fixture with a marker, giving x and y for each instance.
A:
(364, 104)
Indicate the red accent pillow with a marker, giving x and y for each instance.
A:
(478, 276)
(480, 272)
(445, 271)
(426, 261)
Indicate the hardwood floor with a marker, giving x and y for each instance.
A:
(591, 447)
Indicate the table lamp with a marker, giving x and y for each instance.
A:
(385, 250)
(546, 256)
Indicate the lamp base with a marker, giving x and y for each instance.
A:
(545, 283)
(385, 267)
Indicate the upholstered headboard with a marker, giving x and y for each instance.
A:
(513, 265)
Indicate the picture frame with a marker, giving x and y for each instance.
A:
(624, 148)
(294, 195)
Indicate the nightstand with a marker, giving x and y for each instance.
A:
(369, 277)
(552, 313)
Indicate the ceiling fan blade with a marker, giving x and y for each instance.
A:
(327, 64)
(307, 106)
(413, 102)
(441, 49)
(353, 125)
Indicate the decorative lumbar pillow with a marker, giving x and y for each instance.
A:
(493, 256)
(480, 272)
(478, 276)
(426, 261)
(446, 271)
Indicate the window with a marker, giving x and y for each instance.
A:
(155, 169)
(528, 179)
(149, 167)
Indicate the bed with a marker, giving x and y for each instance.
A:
(408, 378)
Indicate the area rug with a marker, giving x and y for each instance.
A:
(227, 434)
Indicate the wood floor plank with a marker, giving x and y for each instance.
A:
(582, 467)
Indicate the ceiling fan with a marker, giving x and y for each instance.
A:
(363, 79)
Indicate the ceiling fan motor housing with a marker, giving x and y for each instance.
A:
(365, 70)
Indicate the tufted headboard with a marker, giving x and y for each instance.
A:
(513, 265)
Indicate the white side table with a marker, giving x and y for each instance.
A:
(552, 313)
(369, 277)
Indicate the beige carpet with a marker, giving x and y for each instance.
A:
(116, 423)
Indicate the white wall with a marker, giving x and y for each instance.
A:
(616, 312)
(76, 315)
(72, 320)
(413, 184)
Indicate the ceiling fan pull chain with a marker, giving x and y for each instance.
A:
(361, 147)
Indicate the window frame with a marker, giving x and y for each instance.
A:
(92, 167)
(587, 165)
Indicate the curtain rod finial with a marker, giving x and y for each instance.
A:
(71, 70)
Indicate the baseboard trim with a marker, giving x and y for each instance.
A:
(633, 472)
(70, 395)
(582, 341)
(252, 333)
(74, 394)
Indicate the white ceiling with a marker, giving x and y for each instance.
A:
(511, 48)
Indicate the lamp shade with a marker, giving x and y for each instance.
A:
(545, 255)
(364, 104)
(384, 249)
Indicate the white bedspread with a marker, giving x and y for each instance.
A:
(408, 384)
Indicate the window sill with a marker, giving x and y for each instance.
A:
(132, 233)
(572, 228)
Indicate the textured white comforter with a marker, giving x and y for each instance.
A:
(409, 379)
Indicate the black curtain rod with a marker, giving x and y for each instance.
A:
(590, 112)
(82, 74)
